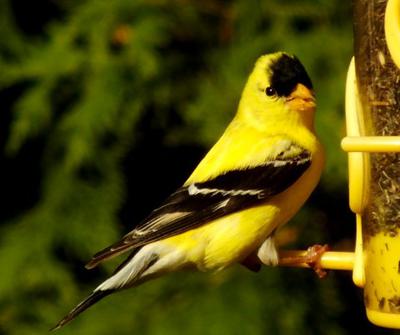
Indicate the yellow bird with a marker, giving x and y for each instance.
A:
(253, 180)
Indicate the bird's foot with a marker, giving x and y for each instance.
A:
(312, 258)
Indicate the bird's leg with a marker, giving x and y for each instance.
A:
(312, 258)
(252, 262)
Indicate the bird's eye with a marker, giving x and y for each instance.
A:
(270, 91)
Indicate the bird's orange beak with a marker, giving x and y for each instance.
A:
(301, 99)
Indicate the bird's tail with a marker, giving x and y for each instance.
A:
(128, 274)
(82, 306)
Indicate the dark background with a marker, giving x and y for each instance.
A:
(106, 107)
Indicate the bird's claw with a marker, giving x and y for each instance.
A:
(313, 258)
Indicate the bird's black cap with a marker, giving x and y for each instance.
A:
(286, 72)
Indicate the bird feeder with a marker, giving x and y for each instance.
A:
(373, 146)
(373, 143)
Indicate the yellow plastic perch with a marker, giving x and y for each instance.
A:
(330, 260)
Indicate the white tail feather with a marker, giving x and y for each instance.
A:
(131, 272)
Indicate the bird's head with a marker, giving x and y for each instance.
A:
(279, 86)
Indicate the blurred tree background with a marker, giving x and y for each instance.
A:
(106, 108)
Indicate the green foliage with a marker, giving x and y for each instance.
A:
(101, 79)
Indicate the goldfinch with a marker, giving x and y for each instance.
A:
(252, 181)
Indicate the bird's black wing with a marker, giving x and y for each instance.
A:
(196, 204)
